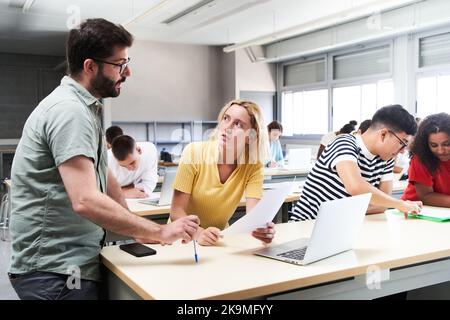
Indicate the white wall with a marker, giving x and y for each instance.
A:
(250, 76)
(170, 82)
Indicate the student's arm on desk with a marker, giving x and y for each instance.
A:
(78, 176)
(427, 195)
(114, 191)
(132, 192)
(386, 187)
(350, 175)
(180, 201)
(266, 235)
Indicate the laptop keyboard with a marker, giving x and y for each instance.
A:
(297, 254)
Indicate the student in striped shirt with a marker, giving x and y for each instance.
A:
(353, 165)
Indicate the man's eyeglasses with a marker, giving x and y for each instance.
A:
(403, 143)
(121, 66)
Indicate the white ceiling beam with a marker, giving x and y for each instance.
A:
(326, 22)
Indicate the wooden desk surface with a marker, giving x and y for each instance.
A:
(231, 271)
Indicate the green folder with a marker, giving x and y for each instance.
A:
(420, 216)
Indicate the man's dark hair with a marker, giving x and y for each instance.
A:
(113, 132)
(395, 118)
(349, 127)
(432, 124)
(94, 39)
(122, 146)
(365, 125)
(275, 125)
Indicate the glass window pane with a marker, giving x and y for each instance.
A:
(443, 94)
(362, 63)
(426, 96)
(315, 119)
(346, 105)
(297, 116)
(434, 50)
(304, 73)
(286, 113)
(385, 93)
(368, 101)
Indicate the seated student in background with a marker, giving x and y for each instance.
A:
(213, 175)
(111, 133)
(401, 162)
(364, 126)
(353, 165)
(135, 166)
(429, 170)
(329, 137)
(276, 153)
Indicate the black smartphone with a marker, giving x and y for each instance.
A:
(137, 249)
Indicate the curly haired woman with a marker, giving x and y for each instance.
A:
(429, 171)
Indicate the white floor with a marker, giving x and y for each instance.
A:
(6, 291)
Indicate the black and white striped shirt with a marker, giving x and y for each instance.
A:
(323, 182)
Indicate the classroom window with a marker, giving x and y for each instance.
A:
(304, 73)
(433, 95)
(434, 50)
(305, 112)
(360, 102)
(364, 63)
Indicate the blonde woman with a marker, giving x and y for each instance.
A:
(214, 175)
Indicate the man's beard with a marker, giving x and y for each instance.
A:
(104, 86)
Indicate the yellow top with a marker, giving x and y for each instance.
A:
(212, 201)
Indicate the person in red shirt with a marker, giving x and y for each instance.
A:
(429, 170)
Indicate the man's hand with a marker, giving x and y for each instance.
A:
(183, 228)
(134, 193)
(410, 206)
(266, 235)
(209, 236)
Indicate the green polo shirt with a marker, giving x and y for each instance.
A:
(47, 235)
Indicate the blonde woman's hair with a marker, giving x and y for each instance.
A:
(261, 154)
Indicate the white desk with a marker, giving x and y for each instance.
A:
(408, 249)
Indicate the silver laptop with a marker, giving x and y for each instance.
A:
(336, 230)
(165, 197)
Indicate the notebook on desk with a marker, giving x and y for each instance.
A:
(436, 214)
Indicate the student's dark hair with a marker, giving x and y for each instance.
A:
(113, 132)
(432, 124)
(349, 127)
(122, 146)
(94, 39)
(274, 125)
(395, 118)
(365, 125)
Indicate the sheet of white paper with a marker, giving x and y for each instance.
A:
(435, 212)
(264, 211)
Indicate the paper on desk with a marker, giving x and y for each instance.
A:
(264, 211)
